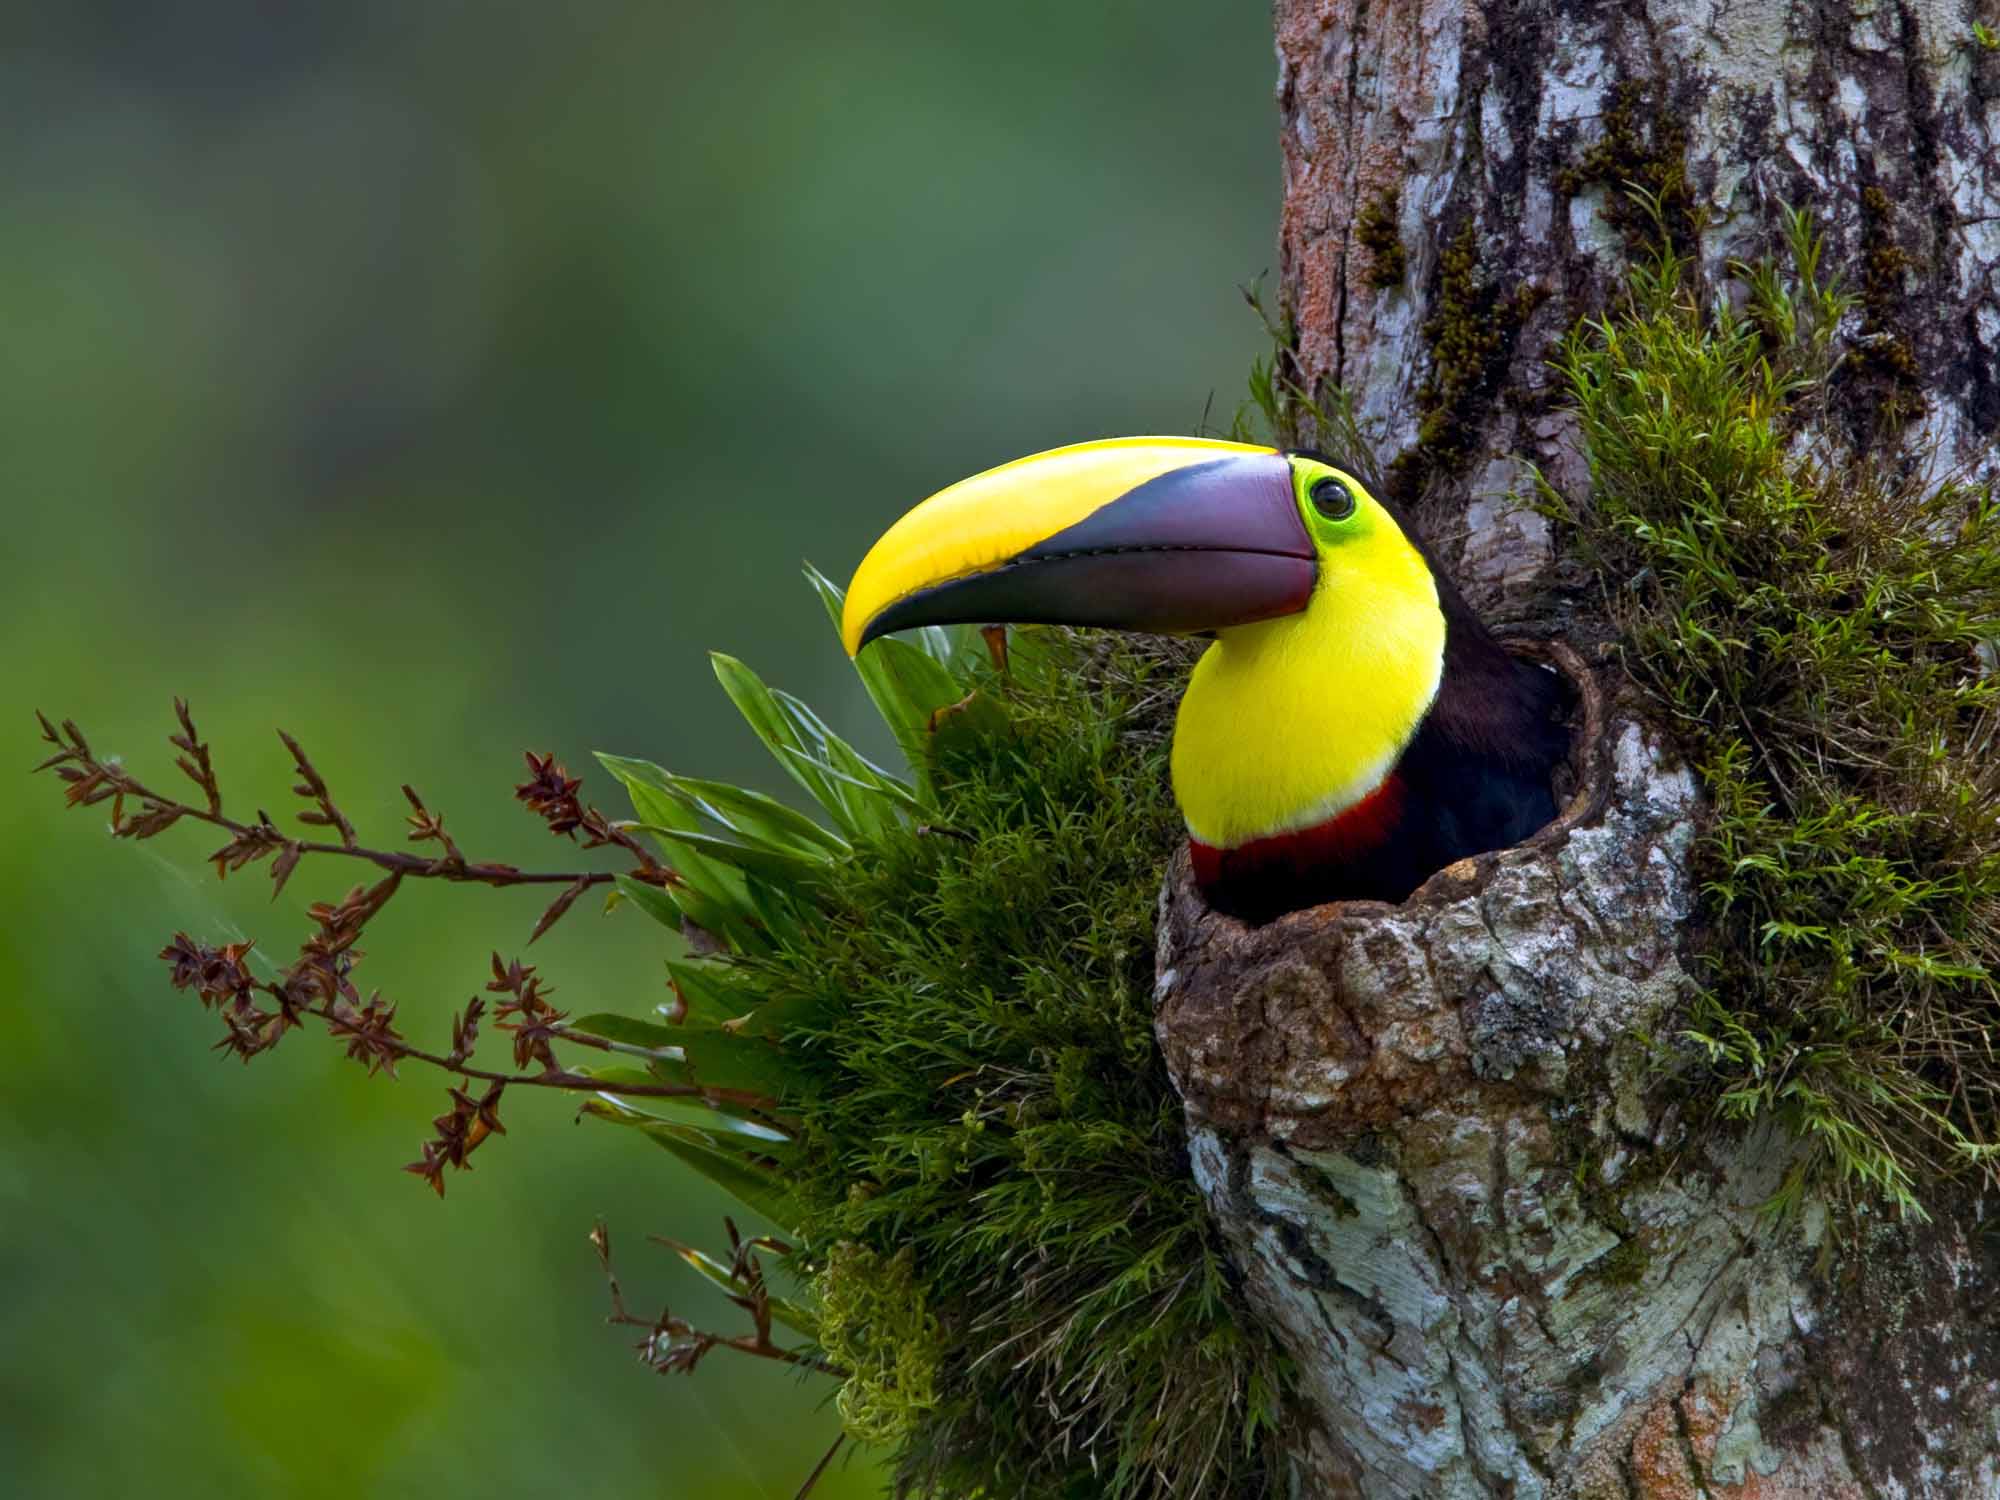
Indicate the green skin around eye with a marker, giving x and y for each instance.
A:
(1307, 475)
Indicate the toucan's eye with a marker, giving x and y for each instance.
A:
(1332, 499)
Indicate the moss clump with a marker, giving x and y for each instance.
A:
(1823, 636)
(874, 1323)
(987, 1115)
(1641, 160)
(1470, 334)
(934, 1017)
(923, 1029)
(1883, 358)
(1376, 230)
(1624, 1264)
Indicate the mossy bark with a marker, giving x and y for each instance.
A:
(1513, 132)
(1505, 1261)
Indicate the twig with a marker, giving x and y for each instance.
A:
(92, 780)
(820, 1467)
(673, 1346)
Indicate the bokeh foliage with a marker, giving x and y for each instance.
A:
(435, 383)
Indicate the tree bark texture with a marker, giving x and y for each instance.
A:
(1503, 1262)
(1457, 194)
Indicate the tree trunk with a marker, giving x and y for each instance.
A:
(1504, 1265)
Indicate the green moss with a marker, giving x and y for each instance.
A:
(1822, 635)
(1624, 1265)
(1376, 231)
(933, 1014)
(1469, 335)
(1641, 161)
(1886, 363)
(982, 1061)
(986, 1170)
(874, 1322)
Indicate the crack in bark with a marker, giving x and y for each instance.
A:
(1353, 197)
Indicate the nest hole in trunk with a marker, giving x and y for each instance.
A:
(1339, 1019)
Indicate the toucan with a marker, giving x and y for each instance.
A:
(1352, 728)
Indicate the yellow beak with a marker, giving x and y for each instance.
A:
(1154, 533)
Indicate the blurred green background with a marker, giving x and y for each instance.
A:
(437, 381)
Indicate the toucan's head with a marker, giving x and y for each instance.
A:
(1175, 535)
(1353, 727)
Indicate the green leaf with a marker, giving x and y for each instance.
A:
(668, 907)
(776, 915)
(973, 718)
(877, 799)
(907, 684)
(651, 789)
(759, 707)
(715, 1047)
(783, 1310)
(654, 1036)
(710, 998)
(784, 868)
(650, 899)
(913, 681)
(757, 1187)
(897, 793)
(713, 1000)
(684, 804)
(690, 1112)
(720, 1059)
(752, 815)
(831, 753)
(808, 751)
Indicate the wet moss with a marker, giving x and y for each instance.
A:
(1641, 160)
(1376, 231)
(1470, 336)
(1884, 360)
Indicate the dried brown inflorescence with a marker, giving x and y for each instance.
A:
(258, 1010)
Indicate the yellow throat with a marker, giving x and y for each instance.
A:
(1290, 722)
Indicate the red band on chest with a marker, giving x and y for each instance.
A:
(1344, 837)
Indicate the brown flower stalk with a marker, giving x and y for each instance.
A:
(258, 1012)
(92, 780)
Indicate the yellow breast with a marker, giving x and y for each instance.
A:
(1289, 722)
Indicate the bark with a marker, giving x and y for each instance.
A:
(1504, 1263)
(1521, 122)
